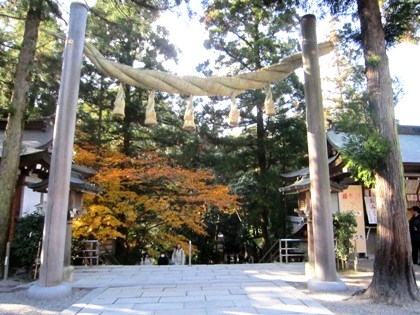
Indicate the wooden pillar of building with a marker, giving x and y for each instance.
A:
(75, 202)
(16, 205)
(310, 231)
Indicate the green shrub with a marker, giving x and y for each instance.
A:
(344, 224)
(27, 238)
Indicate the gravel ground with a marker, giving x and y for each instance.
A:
(13, 298)
(363, 307)
(344, 303)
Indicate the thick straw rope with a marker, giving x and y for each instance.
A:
(189, 123)
(234, 113)
(150, 110)
(119, 104)
(193, 85)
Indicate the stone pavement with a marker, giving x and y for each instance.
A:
(236, 289)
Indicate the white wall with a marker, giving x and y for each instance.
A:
(31, 199)
(334, 202)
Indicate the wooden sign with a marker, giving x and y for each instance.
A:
(351, 199)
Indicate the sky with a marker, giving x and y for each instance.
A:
(188, 35)
(404, 62)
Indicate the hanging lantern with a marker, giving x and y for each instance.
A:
(150, 110)
(269, 103)
(119, 103)
(234, 113)
(189, 123)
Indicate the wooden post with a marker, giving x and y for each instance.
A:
(16, 204)
(7, 262)
(189, 253)
(323, 237)
(311, 246)
(52, 257)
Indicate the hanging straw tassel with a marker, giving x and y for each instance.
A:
(189, 123)
(150, 110)
(269, 103)
(119, 103)
(234, 113)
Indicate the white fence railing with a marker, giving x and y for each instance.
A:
(292, 250)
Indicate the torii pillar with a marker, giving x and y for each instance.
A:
(323, 236)
(51, 277)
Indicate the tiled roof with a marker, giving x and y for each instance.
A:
(304, 183)
(76, 183)
(34, 140)
(38, 137)
(305, 171)
(410, 148)
(409, 138)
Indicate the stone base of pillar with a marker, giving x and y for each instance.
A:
(309, 270)
(68, 273)
(315, 285)
(52, 292)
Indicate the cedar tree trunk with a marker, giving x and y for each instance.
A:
(262, 165)
(9, 166)
(393, 279)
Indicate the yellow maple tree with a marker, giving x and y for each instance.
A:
(147, 200)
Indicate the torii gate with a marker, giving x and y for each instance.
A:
(51, 281)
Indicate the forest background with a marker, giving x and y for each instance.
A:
(162, 185)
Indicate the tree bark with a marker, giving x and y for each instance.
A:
(262, 165)
(9, 166)
(393, 278)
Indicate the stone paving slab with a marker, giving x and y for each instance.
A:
(233, 289)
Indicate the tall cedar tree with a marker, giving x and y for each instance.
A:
(393, 278)
(13, 137)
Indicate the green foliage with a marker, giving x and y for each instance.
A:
(401, 21)
(365, 149)
(27, 239)
(400, 18)
(253, 29)
(344, 224)
(132, 41)
(43, 92)
(365, 154)
(77, 247)
(373, 60)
